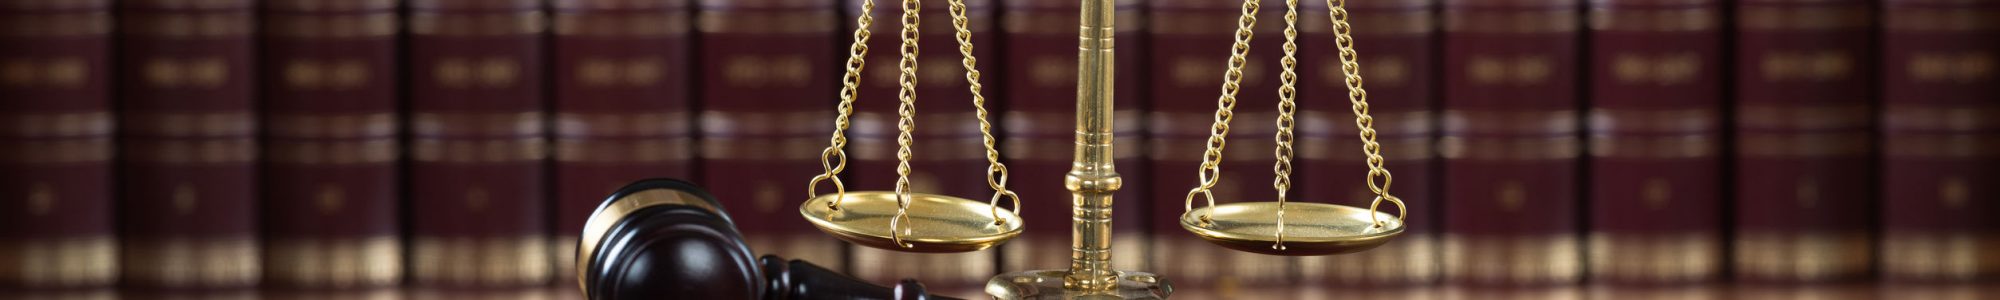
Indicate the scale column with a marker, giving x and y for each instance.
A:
(1091, 181)
(1093, 177)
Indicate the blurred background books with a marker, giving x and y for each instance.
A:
(1549, 149)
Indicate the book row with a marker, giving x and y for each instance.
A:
(217, 144)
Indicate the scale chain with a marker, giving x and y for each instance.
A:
(1211, 166)
(857, 54)
(996, 172)
(906, 121)
(1358, 97)
(1287, 96)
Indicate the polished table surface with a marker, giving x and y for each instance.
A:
(1913, 291)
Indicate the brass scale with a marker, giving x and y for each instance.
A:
(904, 220)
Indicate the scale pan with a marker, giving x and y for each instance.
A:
(1310, 228)
(936, 224)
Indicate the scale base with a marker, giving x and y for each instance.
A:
(1048, 284)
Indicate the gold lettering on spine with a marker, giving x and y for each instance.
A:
(1806, 66)
(1953, 192)
(1956, 68)
(330, 199)
(41, 199)
(1511, 195)
(1656, 193)
(1522, 70)
(185, 199)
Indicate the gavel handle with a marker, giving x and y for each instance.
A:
(801, 280)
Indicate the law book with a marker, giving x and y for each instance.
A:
(623, 108)
(948, 155)
(1396, 46)
(1655, 141)
(331, 181)
(1190, 43)
(769, 80)
(1038, 76)
(1803, 116)
(1939, 137)
(477, 147)
(187, 146)
(56, 233)
(1509, 142)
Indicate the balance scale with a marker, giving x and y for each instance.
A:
(904, 220)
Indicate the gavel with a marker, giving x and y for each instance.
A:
(669, 239)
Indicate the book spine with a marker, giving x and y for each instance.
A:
(1655, 141)
(622, 106)
(188, 146)
(1190, 41)
(55, 147)
(1039, 126)
(770, 78)
(1939, 137)
(477, 144)
(948, 152)
(1397, 42)
(1803, 148)
(330, 139)
(1509, 142)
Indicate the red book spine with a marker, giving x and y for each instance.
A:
(1190, 42)
(948, 153)
(770, 81)
(1803, 116)
(477, 144)
(1655, 141)
(55, 147)
(622, 107)
(331, 185)
(1396, 45)
(188, 145)
(1510, 143)
(1039, 126)
(1941, 131)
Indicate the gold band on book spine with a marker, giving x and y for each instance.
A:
(1802, 18)
(335, 262)
(191, 262)
(332, 26)
(1941, 20)
(767, 22)
(59, 262)
(483, 24)
(79, 150)
(180, 25)
(1655, 20)
(1513, 259)
(491, 261)
(651, 24)
(1665, 258)
(55, 24)
(1940, 255)
(1804, 256)
(1412, 259)
(1546, 21)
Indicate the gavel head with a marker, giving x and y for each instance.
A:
(665, 239)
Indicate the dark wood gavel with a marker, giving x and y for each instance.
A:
(669, 239)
